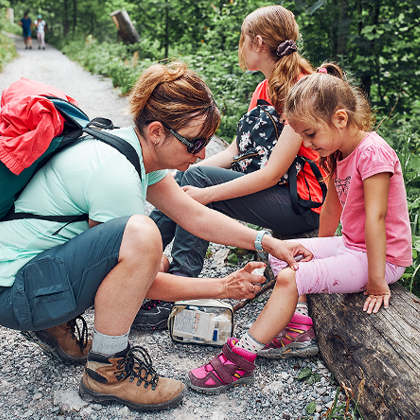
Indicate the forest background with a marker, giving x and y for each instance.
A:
(377, 42)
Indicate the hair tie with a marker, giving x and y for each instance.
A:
(287, 47)
(323, 70)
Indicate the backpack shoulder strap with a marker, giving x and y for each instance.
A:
(294, 197)
(263, 102)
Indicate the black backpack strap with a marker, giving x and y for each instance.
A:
(263, 102)
(118, 143)
(296, 201)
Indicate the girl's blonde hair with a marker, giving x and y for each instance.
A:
(315, 99)
(174, 95)
(275, 25)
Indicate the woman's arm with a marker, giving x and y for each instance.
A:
(280, 159)
(213, 226)
(237, 285)
(330, 213)
(376, 189)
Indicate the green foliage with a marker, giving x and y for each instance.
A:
(239, 254)
(376, 41)
(407, 145)
(7, 46)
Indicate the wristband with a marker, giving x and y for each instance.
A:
(258, 240)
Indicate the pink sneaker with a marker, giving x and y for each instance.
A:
(232, 367)
(296, 340)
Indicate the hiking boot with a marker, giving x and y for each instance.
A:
(61, 343)
(130, 380)
(296, 340)
(153, 315)
(232, 367)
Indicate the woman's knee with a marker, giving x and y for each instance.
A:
(141, 236)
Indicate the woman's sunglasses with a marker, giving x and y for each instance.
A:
(193, 146)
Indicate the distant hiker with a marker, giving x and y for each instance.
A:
(41, 27)
(26, 24)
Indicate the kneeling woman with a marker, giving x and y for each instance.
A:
(112, 261)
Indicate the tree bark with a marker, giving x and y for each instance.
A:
(126, 30)
(382, 349)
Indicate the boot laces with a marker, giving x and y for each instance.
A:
(82, 338)
(132, 366)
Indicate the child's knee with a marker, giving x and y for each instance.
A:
(286, 279)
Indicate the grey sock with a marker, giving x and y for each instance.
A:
(108, 345)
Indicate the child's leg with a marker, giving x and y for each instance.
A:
(235, 364)
(279, 309)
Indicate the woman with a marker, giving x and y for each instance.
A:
(50, 273)
(267, 44)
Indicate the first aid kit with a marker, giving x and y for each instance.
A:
(204, 321)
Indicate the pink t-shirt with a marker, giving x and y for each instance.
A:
(373, 156)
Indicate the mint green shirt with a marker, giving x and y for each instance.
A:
(90, 177)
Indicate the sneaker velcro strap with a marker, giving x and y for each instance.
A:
(221, 370)
(238, 360)
(239, 363)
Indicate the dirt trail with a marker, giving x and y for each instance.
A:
(94, 94)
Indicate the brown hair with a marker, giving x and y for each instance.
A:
(173, 94)
(315, 98)
(275, 25)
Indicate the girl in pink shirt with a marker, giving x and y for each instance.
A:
(366, 192)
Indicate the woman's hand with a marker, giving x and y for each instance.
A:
(242, 284)
(287, 251)
(377, 295)
(198, 194)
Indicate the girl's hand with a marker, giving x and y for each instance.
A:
(242, 284)
(198, 194)
(376, 297)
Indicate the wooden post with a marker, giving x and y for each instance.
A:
(126, 30)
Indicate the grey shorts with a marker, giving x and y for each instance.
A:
(61, 283)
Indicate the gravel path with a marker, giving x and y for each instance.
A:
(32, 386)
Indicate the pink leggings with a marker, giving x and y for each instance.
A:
(334, 268)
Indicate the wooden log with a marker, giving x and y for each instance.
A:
(383, 349)
(126, 30)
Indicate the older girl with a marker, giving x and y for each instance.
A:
(267, 44)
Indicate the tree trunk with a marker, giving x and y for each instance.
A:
(74, 15)
(166, 28)
(66, 24)
(382, 349)
(126, 30)
(343, 31)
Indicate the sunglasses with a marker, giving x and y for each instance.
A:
(193, 146)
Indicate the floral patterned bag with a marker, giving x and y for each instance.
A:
(257, 133)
